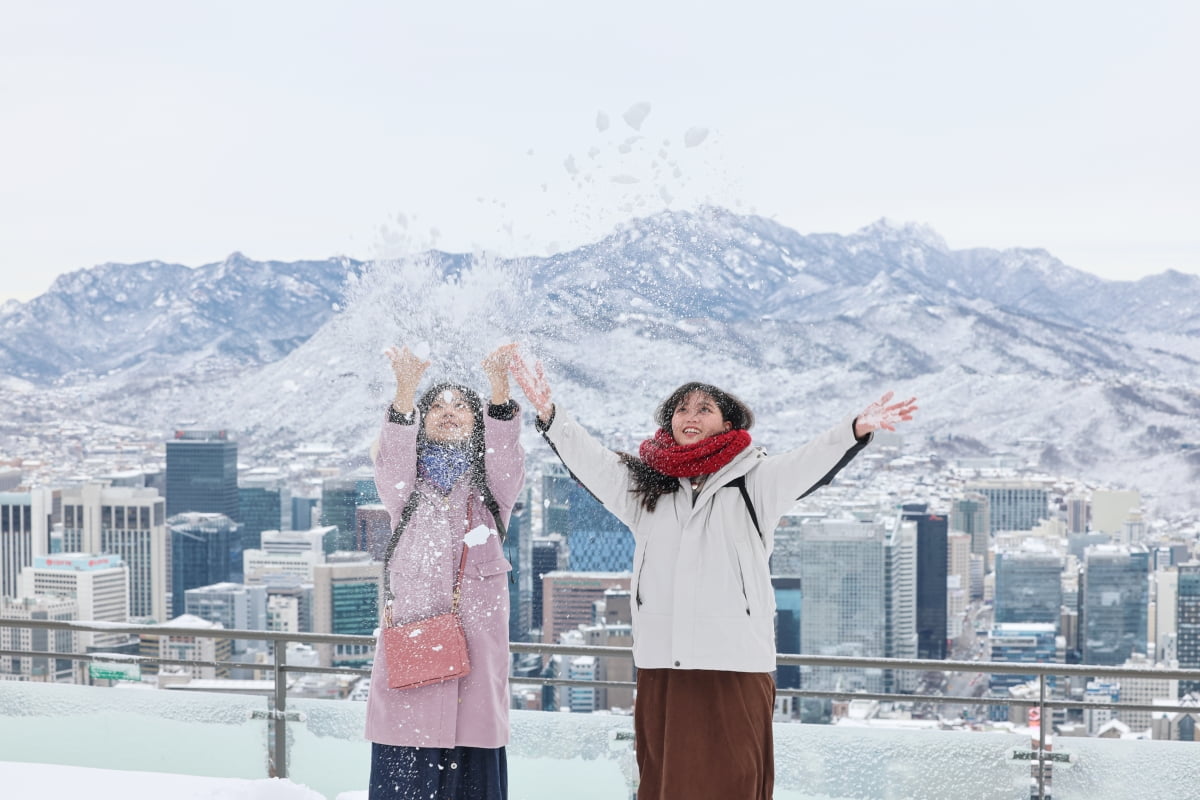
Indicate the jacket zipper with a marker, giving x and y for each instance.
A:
(641, 567)
(742, 577)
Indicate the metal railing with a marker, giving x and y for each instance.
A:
(280, 670)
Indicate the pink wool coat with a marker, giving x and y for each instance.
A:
(470, 711)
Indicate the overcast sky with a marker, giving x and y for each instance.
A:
(184, 131)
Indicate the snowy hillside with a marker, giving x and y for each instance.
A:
(997, 346)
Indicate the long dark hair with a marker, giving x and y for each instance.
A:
(474, 447)
(648, 483)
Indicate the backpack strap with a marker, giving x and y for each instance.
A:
(740, 483)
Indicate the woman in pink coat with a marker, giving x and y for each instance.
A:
(447, 467)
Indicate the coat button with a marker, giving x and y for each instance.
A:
(677, 663)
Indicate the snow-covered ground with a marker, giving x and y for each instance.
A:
(57, 782)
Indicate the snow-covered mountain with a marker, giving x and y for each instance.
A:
(998, 346)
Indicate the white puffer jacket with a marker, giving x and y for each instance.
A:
(701, 577)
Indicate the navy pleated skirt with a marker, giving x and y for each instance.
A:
(435, 773)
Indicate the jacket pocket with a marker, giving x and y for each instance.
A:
(487, 569)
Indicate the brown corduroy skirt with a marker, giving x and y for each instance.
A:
(704, 734)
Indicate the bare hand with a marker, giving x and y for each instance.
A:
(408, 370)
(533, 383)
(496, 366)
(881, 415)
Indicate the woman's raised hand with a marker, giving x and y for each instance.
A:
(408, 370)
(533, 383)
(496, 366)
(881, 415)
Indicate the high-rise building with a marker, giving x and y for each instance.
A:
(346, 595)
(1078, 514)
(265, 504)
(1114, 606)
(1111, 507)
(1187, 623)
(932, 557)
(841, 568)
(556, 493)
(99, 585)
(302, 512)
(293, 553)
(1028, 587)
(38, 668)
(789, 603)
(372, 530)
(202, 473)
(900, 602)
(571, 597)
(1014, 505)
(235, 606)
(518, 549)
(597, 540)
(204, 547)
(340, 497)
(958, 561)
(204, 647)
(1144, 690)
(25, 522)
(130, 523)
(1165, 585)
(1023, 643)
(970, 514)
(549, 554)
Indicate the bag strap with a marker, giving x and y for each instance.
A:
(740, 483)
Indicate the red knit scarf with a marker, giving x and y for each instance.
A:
(663, 454)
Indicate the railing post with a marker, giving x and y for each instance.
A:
(280, 750)
(1042, 736)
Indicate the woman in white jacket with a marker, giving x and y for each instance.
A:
(703, 506)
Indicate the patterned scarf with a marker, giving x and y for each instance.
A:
(442, 464)
(663, 454)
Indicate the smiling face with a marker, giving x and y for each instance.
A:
(696, 418)
(449, 419)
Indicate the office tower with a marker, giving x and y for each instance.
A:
(581, 699)
(1144, 690)
(518, 549)
(204, 647)
(1014, 505)
(302, 512)
(842, 571)
(1111, 507)
(597, 540)
(289, 603)
(613, 627)
(25, 522)
(1078, 514)
(293, 553)
(570, 599)
(265, 504)
(1187, 623)
(900, 602)
(1023, 643)
(932, 557)
(958, 560)
(130, 523)
(235, 606)
(38, 669)
(203, 547)
(556, 493)
(372, 530)
(1097, 691)
(99, 584)
(340, 497)
(1028, 587)
(346, 595)
(1164, 584)
(202, 473)
(549, 554)
(1115, 604)
(789, 603)
(970, 514)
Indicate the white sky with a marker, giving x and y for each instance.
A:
(184, 131)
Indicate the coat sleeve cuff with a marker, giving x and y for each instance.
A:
(504, 411)
(401, 419)
(542, 427)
